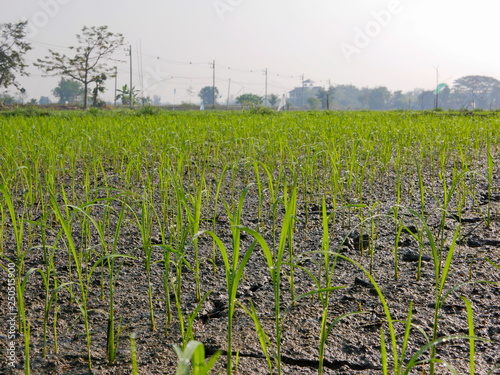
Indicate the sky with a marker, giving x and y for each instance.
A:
(399, 44)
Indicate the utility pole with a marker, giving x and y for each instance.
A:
(213, 86)
(131, 96)
(116, 81)
(328, 96)
(228, 91)
(265, 97)
(437, 84)
(303, 87)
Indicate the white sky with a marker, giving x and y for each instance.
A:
(393, 43)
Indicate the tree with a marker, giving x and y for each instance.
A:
(207, 95)
(12, 51)
(348, 97)
(378, 98)
(95, 45)
(99, 87)
(313, 102)
(6, 100)
(478, 90)
(44, 100)
(273, 99)
(67, 90)
(124, 95)
(249, 100)
(326, 96)
(156, 100)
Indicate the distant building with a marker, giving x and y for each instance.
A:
(297, 98)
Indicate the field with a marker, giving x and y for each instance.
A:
(295, 243)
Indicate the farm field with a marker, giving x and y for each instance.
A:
(294, 243)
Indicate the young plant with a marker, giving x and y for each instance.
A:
(187, 333)
(133, 354)
(192, 359)
(274, 263)
(233, 267)
(441, 274)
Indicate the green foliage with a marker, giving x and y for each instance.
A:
(67, 90)
(206, 94)
(259, 110)
(192, 359)
(125, 93)
(168, 176)
(273, 99)
(13, 48)
(95, 45)
(148, 110)
(313, 102)
(28, 111)
(249, 100)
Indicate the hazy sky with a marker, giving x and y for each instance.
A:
(394, 43)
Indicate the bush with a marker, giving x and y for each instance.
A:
(148, 110)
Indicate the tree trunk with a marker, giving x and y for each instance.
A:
(85, 94)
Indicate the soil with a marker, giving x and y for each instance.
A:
(353, 347)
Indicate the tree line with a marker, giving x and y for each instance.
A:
(84, 74)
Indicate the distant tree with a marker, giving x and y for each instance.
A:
(12, 52)
(99, 88)
(313, 102)
(156, 100)
(326, 96)
(67, 90)
(478, 84)
(426, 100)
(378, 98)
(364, 97)
(207, 95)
(7, 100)
(124, 95)
(146, 100)
(273, 99)
(347, 97)
(249, 100)
(95, 45)
(44, 100)
(479, 90)
(398, 100)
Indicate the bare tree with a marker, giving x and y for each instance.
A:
(95, 45)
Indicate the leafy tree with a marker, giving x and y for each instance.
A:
(313, 102)
(326, 96)
(426, 100)
(249, 100)
(399, 100)
(156, 100)
(378, 98)
(207, 95)
(44, 100)
(67, 90)
(347, 97)
(95, 45)
(478, 84)
(7, 100)
(480, 90)
(273, 99)
(146, 101)
(12, 51)
(124, 95)
(99, 87)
